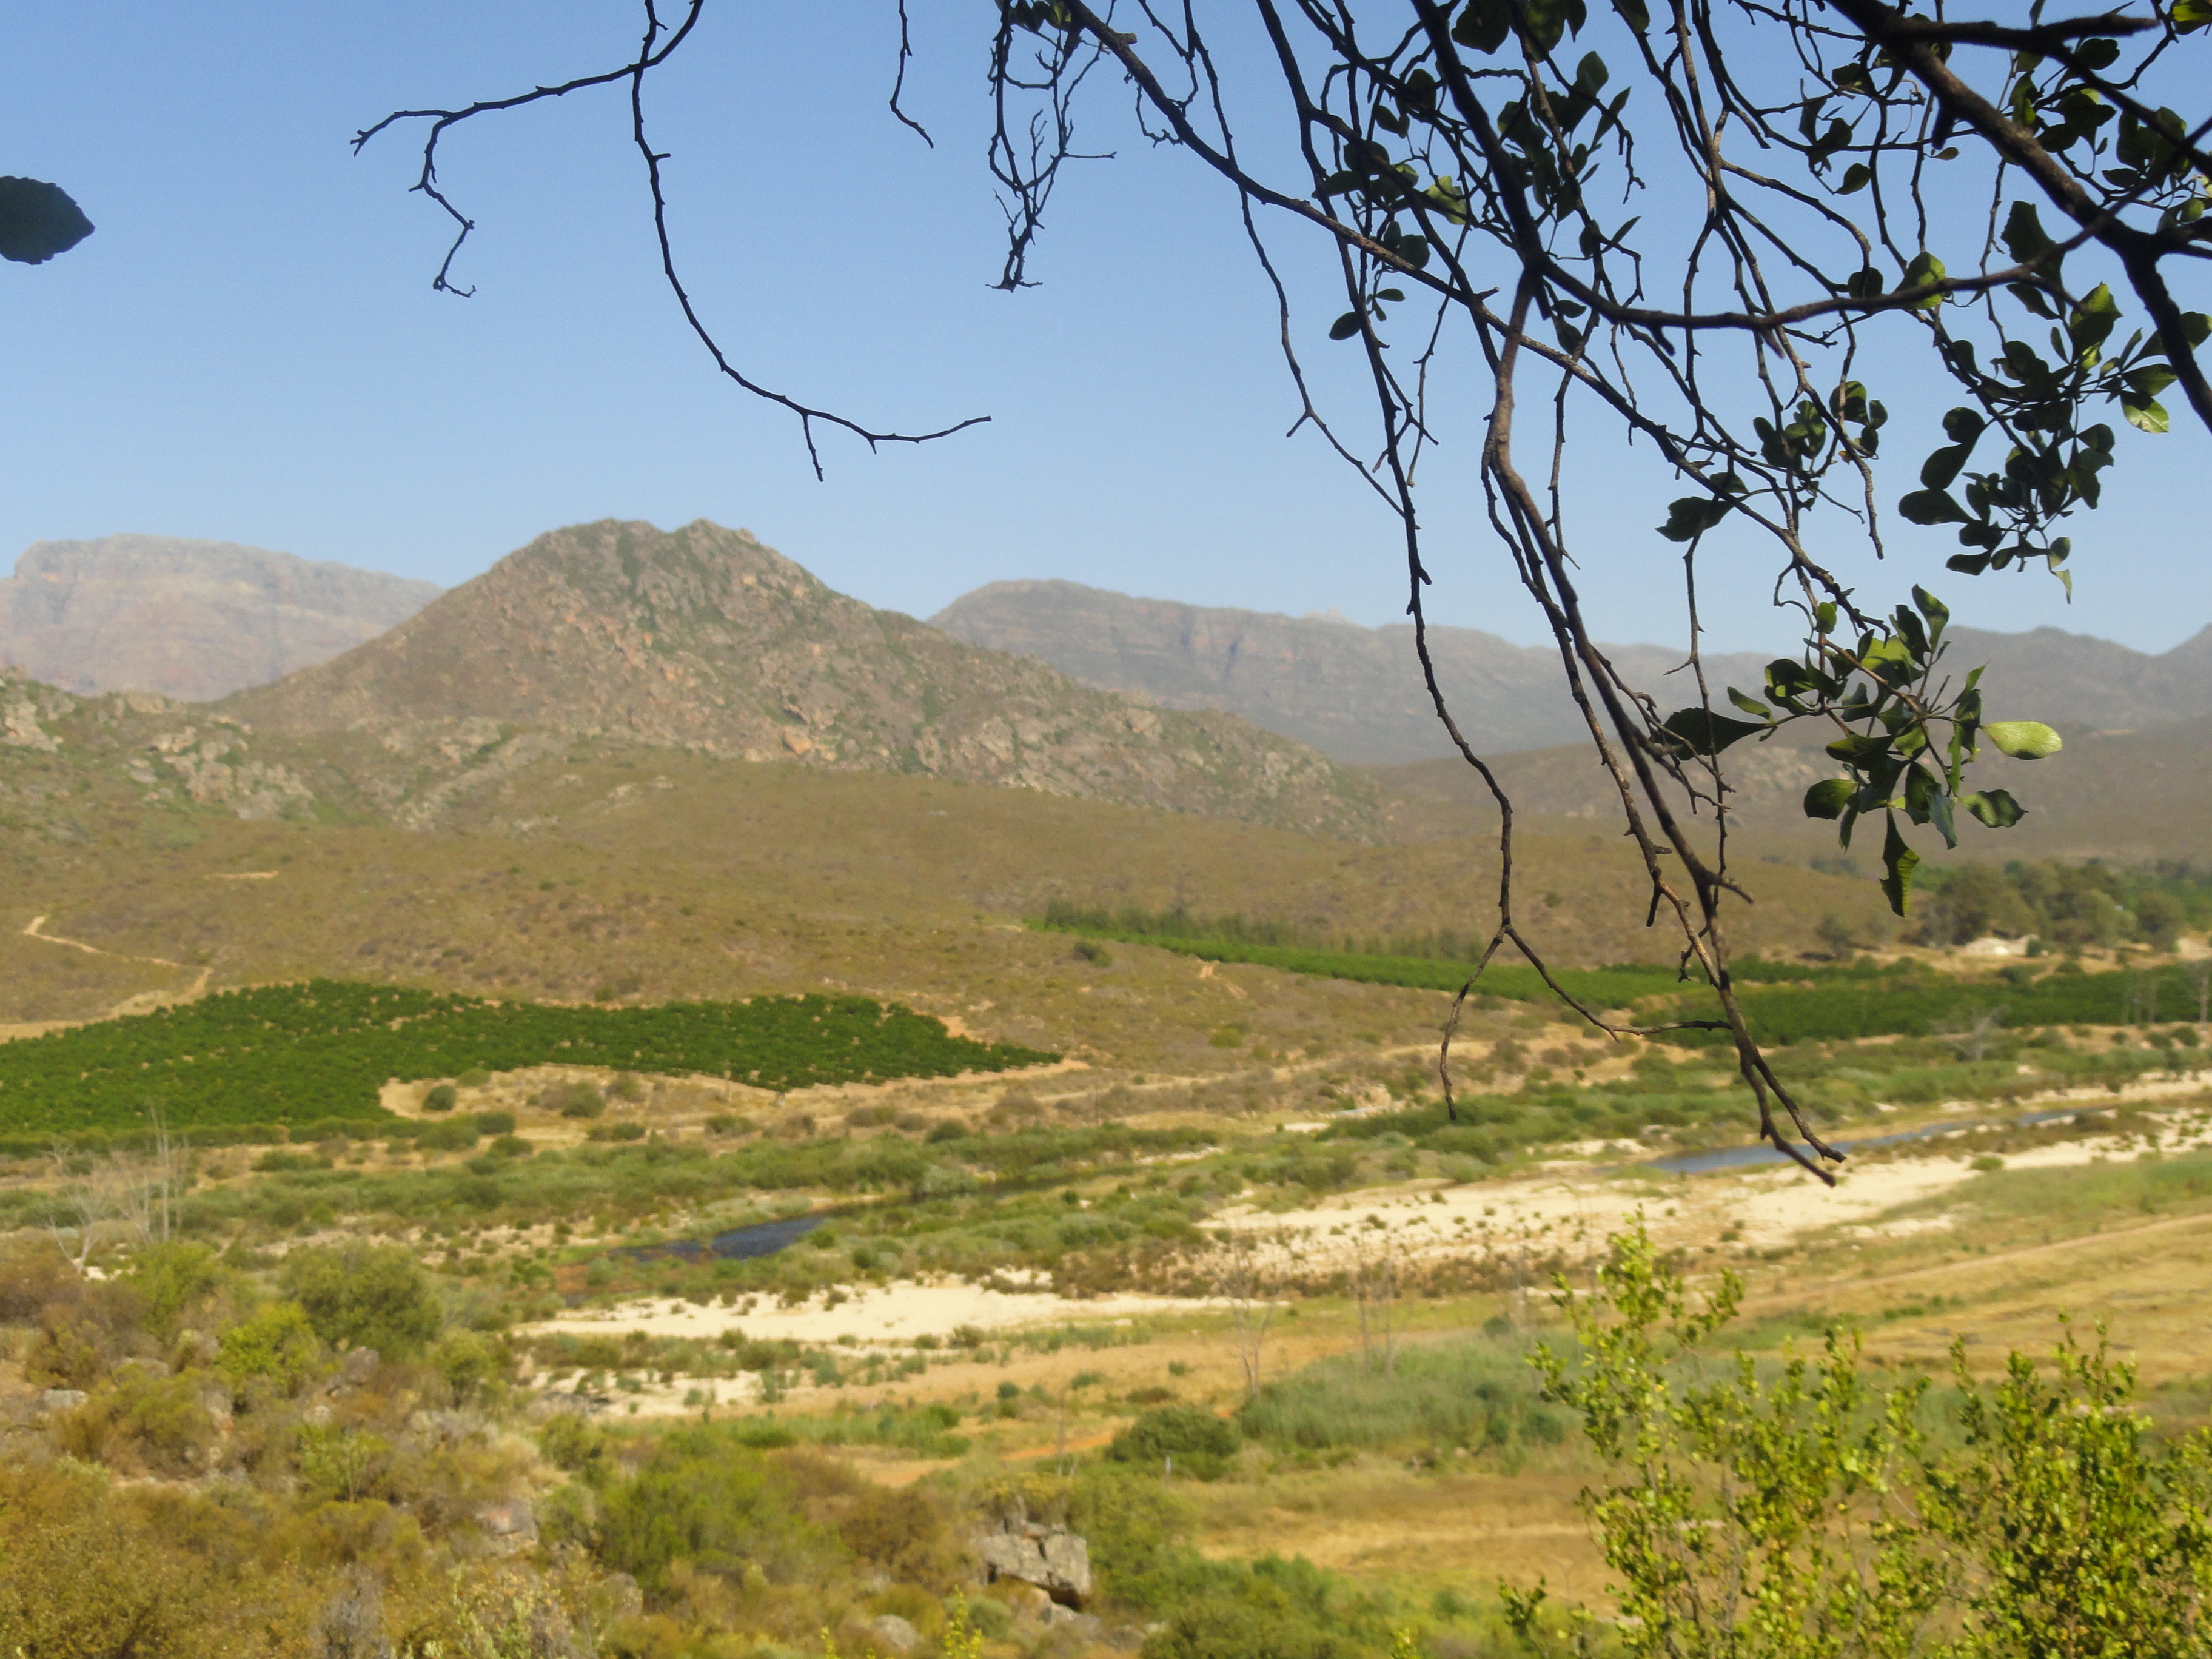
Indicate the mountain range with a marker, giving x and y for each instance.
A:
(705, 640)
(187, 619)
(699, 639)
(1357, 692)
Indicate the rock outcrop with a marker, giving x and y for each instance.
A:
(1051, 1558)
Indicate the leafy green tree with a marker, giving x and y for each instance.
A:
(369, 1296)
(1799, 1510)
(2091, 1540)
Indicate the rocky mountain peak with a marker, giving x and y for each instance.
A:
(704, 639)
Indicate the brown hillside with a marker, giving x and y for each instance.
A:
(2128, 797)
(704, 639)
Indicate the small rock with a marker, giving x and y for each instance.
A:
(1083, 1626)
(61, 1400)
(894, 1632)
(510, 1528)
(625, 1600)
(1027, 1601)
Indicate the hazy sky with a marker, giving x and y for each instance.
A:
(249, 348)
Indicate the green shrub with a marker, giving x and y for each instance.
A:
(370, 1295)
(1481, 1394)
(705, 1499)
(278, 1343)
(457, 1136)
(580, 1099)
(467, 1362)
(2051, 1522)
(171, 1277)
(1198, 1442)
(441, 1099)
(495, 1123)
(475, 1077)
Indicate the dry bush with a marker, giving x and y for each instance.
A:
(32, 1274)
(144, 1425)
(1015, 1106)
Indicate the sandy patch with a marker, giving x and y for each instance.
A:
(1570, 1210)
(894, 1314)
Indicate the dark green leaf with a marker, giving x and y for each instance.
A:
(1634, 13)
(1703, 733)
(1828, 797)
(1690, 517)
(1344, 327)
(2025, 239)
(1995, 807)
(38, 221)
(1855, 178)
(1898, 863)
(1932, 506)
(1484, 25)
(1937, 612)
(1858, 748)
(2093, 318)
(1749, 705)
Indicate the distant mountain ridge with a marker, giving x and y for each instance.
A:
(195, 619)
(704, 639)
(1356, 693)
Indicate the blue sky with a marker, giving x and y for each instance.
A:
(249, 348)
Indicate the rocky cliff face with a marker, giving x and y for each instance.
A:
(192, 620)
(1356, 692)
(702, 638)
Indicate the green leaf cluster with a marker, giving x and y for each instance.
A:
(1906, 739)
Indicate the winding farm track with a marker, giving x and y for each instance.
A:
(35, 928)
